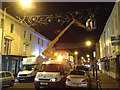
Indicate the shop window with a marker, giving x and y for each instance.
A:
(107, 65)
(7, 46)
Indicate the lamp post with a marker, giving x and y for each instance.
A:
(76, 57)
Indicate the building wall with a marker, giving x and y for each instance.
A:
(112, 28)
(20, 44)
(18, 40)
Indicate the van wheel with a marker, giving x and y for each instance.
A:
(12, 83)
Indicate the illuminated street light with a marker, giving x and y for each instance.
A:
(55, 54)
(82, 57)
(26, 3)
(88, 43)
(87, 55)
(76, 57)
(75, 52)
(89, 59)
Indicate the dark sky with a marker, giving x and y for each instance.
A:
(74, 34)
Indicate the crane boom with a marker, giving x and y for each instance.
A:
(46, 53)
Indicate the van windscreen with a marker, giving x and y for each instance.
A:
(51, 67)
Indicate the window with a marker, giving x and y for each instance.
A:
(12, 28)
(24, 34)
(116, 21)
(38, 40)
(7, 46)
(104, 37)
(2, 23)
(30, 37)
(42, 42)
(2, 75)
(8, 74)
(112, 28)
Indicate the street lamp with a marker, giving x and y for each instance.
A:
(87, 55)
(76, 57)
(88, 43)
(26, 3)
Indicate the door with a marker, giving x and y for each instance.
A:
(8, 78)
(2, 78)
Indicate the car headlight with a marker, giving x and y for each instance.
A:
(53, 79)
(36, 79)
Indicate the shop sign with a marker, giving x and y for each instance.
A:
(113, 38)
(104, 59)
(115, 43)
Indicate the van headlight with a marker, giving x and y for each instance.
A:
(36, 79)
(53, 79)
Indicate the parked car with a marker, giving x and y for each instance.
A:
(82, 68)
(78, 78)
(6, 78)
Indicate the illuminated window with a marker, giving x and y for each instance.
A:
(12, 28)
(30, 37)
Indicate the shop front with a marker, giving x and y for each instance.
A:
(105, 65)
(12, 63)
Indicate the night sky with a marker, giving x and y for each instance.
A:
(74, 34)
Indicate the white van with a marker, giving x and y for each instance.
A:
(53, 73)
(30, 68)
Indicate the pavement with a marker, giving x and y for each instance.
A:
(106, 82)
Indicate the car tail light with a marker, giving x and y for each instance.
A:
(67, 79)
(85, 80)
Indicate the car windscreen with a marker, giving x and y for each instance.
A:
(28, 67)
(77, 73)
(51, 67)
(82, 68)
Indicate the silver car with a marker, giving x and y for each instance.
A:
(6, 78)
(78, 78)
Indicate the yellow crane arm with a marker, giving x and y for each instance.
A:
(46, 53)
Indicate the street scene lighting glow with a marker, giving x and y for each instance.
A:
(60, 58)
(88, 43)
(82, 57)
(76, 53)
(87, 55)
(56, 54)
(26, 3)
